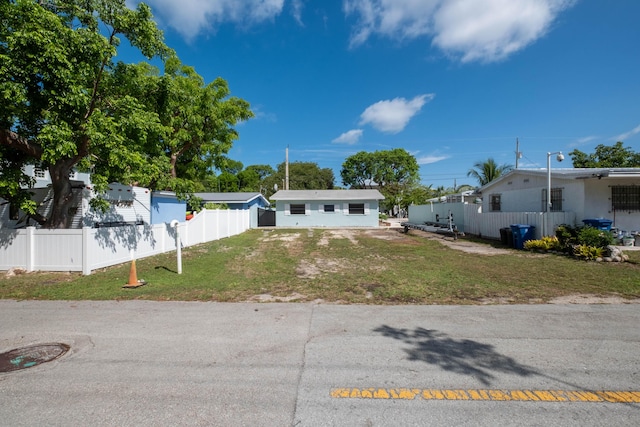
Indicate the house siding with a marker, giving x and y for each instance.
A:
(601, 190)
(316, 217)
(586, 198)
(165, 208)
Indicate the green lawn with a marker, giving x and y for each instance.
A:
(341, 266)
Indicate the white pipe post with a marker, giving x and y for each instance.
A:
(175, 225)
(548, 211)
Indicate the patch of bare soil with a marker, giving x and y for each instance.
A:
(462, 244)
(311, 269)
(271, 298)
(592, 299)
(348, 234)
(390, 234)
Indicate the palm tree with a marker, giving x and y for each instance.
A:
(485, 172)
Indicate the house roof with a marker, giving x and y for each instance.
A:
(327, 195)
(568, 173)
(230, 197)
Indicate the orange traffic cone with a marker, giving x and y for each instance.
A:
(133, 277)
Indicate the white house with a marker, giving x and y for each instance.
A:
(127, 203)
(327, 208)
(590, 193)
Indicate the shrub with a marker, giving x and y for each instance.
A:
(595, 237)
(547, 243)
(583, 242)
(567, 236)
(215, 206)
(587, 252)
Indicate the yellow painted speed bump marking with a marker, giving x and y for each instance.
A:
(609, 396)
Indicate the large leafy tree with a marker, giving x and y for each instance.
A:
(605, 156)
(395, 172)
(57, 104)
(487, 171)
(252, 177)
(379, 169)
(65, 104)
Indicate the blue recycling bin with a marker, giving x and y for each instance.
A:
(599, 223)
(522, 233)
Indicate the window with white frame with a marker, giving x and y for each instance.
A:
(356, 208)
(329, 208)
(297, 209)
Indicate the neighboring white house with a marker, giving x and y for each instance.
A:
(327, 208)
(611, 193)
(127, 203)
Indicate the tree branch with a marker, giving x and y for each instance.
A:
(15, 141)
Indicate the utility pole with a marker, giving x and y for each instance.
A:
(286, 170)
(518, 153)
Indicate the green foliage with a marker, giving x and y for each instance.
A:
(416, 195)
(393, 172)
(215, 206)
(57, 103)
(487, 171)
(583, 242)
(547, 243)
(614, 156)
(591, 236)
(566, 235)
(380, 168)
(587, 252)
(228, 182)
(65, 103)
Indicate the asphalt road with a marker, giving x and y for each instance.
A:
(212, 364)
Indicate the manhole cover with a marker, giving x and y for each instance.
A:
(27, 357)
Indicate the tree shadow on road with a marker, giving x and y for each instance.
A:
(463, 356)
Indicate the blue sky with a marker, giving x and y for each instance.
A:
(454, 82)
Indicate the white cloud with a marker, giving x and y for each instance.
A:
(260, 114)
(296, 11)
(425, 160)
(583, 141)
(471, 30)
(351, 137)
(191, 17)
(627, 135)
(391, 116)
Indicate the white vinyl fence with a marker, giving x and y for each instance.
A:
(469, 219)
(88, 249)
(488, 224)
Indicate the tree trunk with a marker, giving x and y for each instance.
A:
(62, 195)
(173, 160)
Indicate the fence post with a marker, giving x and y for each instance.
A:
(31, 250)
(205, 219)
(86, 262)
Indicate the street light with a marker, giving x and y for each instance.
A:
(559, 157)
